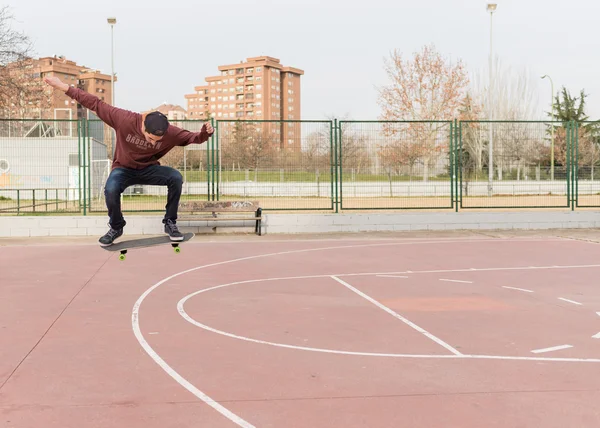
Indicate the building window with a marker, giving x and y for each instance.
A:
(290, 141)
(250, 70)
(258, 95)
(290, 108)
(259, 69)
(231, 72)
(259, 113)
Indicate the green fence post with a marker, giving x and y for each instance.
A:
(218, 167)
(332, 165)
(576, 192)
(451, 165)
(79, 163)
(569, 166)
(89, 167)
(84, 157)
(459, 167)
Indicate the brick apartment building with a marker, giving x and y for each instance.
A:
(260, 88)
(172, 111)
(56, 104)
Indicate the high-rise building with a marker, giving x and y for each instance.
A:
(260, 88)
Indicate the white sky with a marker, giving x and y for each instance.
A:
(165, 48)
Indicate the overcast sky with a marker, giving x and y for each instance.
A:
(165, 48)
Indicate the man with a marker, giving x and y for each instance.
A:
(142, 139)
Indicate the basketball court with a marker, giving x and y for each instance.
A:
(365, 330)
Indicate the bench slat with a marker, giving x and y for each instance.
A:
(218, 206)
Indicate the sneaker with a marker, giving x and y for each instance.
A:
(110, 236)
(172, 231)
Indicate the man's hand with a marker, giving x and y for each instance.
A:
(56, 83)
(209, 127)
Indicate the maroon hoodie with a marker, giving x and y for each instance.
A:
(132, 150)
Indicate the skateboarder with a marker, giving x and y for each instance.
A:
(142, 139)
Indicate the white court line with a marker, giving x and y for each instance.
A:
(596, 336)
(184, 314)
(554, 348)
(570, 301)
(400, 317)
(598, 313)
(456, 280)
(227, 413)
(520, 289)
(391, 276)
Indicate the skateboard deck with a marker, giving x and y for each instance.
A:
(123, 246)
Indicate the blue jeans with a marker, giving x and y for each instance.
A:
(157, 175)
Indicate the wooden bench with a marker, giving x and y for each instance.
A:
(189, 210)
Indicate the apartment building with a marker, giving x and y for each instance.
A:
(56, 104)
(260, 88)
(172, 111)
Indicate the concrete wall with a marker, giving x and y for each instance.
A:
(308, 223)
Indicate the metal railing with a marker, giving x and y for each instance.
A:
(56, 166)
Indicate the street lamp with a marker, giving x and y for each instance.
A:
(112, 22)
(552, 125)
(491, 7)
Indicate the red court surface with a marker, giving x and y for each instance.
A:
(349, 331)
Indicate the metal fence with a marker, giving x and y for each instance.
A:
(514, 164)
(54, 166)
(287, 165)
(395, 165)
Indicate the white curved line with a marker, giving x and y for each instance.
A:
(205, 398)
(185, 315)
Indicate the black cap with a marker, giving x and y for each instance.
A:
(156, 123)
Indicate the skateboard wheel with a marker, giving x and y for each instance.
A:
(122, 257)
(177, 249)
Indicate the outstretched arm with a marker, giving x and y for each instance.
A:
(110, 115)
(186, 137)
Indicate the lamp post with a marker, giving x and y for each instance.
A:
(112, 22)
(552, 125)
(491, 7)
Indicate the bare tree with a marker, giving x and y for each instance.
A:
(514, 96)
(427, 88)
(20, 89)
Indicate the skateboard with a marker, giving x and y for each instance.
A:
(123, 246)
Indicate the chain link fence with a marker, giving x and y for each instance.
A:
(514, 164)
(61, 166)
(395, 165)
